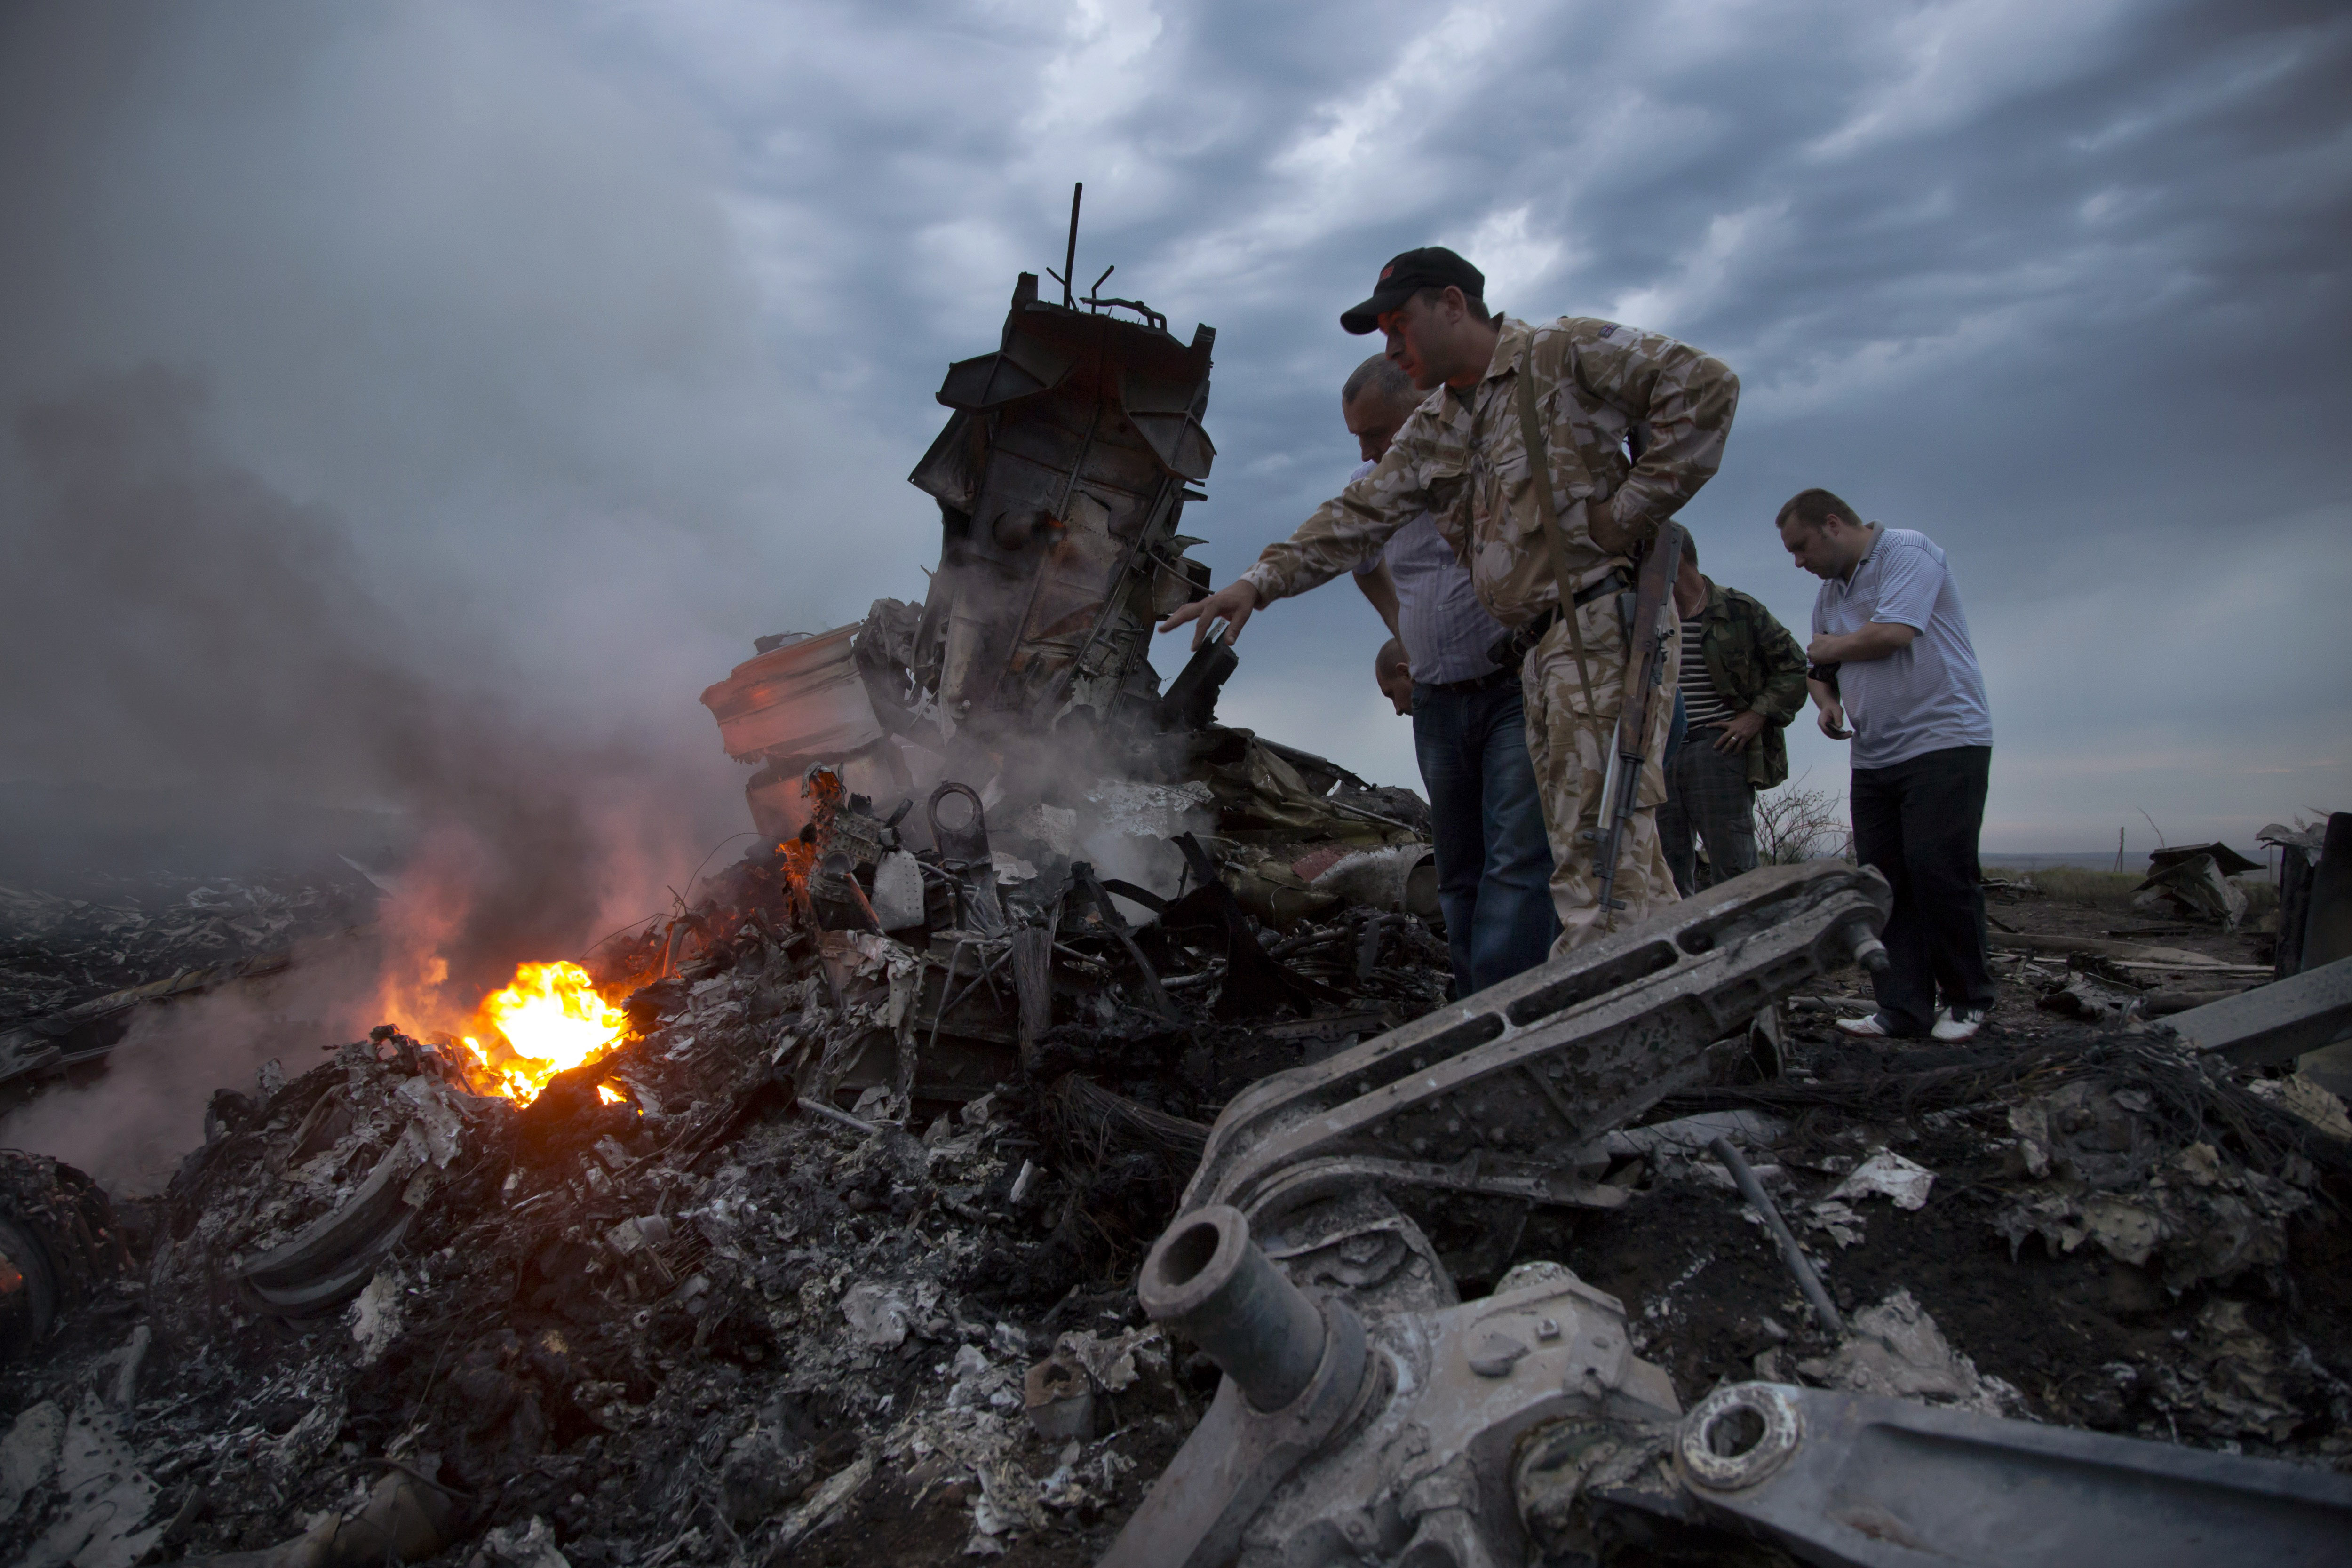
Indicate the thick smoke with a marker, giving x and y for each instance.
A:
(133, 1124)
(195, 627)
(473, 460)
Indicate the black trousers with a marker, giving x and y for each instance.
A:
(1918, 823)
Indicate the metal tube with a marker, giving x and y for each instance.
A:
(1868, 951)
(1753, 1191)
(838, 1116)
(1208, 1280)
(1874, 1482)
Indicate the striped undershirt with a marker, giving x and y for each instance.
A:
(1701, 702)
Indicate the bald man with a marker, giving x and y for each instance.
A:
(1393, 675)
(1469, 722)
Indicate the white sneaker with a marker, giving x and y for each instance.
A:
(1954, 1024)
(1868, 1027)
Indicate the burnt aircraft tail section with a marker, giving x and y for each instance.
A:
(1061, 477)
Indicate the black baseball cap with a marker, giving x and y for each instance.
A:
(1431, 266)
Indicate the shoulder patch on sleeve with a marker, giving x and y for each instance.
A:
(1608, 330)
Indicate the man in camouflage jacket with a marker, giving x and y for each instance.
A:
(1742, 680)
(1600, 388)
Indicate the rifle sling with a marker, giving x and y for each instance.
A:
(1539, 476)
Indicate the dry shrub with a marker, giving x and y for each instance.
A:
(1794, 823)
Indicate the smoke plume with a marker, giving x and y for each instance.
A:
(195, 627)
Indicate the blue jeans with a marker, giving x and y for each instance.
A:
(1494, 863)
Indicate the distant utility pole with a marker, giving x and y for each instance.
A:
(2119, 848)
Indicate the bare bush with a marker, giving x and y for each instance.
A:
(1795, 823)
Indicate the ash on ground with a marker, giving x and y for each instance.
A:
(777, 1292)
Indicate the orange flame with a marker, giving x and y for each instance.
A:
(825, 792)
(550, 1019)
(611, 1096)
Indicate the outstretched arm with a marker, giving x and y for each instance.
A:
(1233, 604)
(1344, 530)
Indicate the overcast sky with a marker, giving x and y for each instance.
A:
(602, 336)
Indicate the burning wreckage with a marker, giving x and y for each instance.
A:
(1055, 1142)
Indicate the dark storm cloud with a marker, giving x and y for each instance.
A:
(2055, 284)
(386, 422)
(612, 333)
(384, 425)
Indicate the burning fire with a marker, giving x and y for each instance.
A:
(611, 1096)
(825, 792)
(550, 1019)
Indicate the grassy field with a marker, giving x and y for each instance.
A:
(2102, 889)
(2112, 889)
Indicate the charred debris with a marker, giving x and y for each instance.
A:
(1056, 1143)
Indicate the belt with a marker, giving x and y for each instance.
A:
(1512, 649)
(1485, 682)
(1615, 583)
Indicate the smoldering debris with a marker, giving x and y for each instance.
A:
(99, 936)
(669, 1310)
(833, 1252)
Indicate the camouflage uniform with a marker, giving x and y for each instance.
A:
(1461, 458)
(1757, 666)
(1753, 665)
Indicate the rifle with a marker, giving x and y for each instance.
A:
(1646, 647)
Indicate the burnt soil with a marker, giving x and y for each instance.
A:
(646, 1417)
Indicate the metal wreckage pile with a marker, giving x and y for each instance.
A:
(75, 965)
(1054, 1143)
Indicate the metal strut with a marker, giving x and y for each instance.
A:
(1370, 1417)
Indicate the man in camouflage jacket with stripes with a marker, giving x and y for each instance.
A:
(1633, 425)
(1742, 692)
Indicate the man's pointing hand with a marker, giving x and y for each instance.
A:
(1233, 604)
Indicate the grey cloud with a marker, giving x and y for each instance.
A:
(192, 626)
(655, 297)
(447, 273)
(389, 421)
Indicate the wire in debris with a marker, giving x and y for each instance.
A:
(986, 970)
(1087, 1117)
(840, 1117)
(609, 935)
(955, 959)
(421, 1479)
(427, 1392)
(1791, 1253)
(715, 849)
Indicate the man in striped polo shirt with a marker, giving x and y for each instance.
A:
(1469, 725)
(1742, 682)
